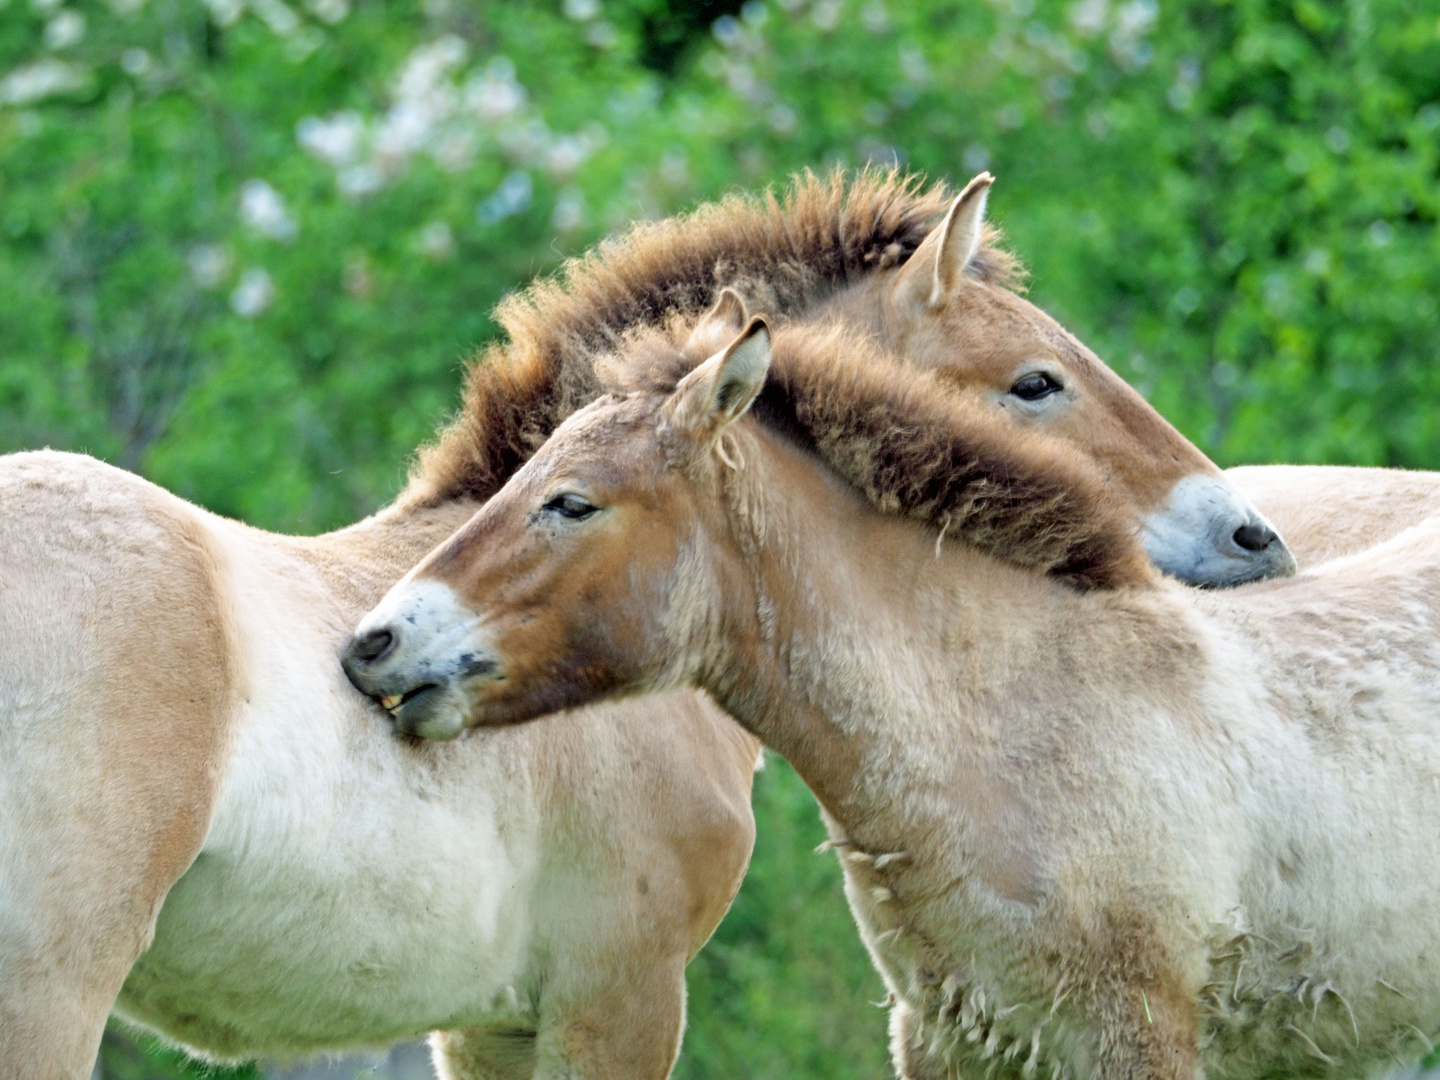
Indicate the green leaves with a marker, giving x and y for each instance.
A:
(1233, 202)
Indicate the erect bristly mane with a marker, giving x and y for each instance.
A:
(783, 253)
(916, 448)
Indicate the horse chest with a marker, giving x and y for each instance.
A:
(347, 893)
(946, 966)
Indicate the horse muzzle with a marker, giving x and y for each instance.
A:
(417, 654)
(1208, 534)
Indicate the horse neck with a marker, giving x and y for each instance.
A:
(361, 562)
(881, 663)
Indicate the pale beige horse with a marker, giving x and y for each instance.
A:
(1093, 824)
(177, 733)
(147, 733)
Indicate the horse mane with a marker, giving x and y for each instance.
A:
(915, 448)
(783, 253)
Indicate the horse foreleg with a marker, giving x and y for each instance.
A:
(631, 1032)
(51, 1028)
(483, 1054)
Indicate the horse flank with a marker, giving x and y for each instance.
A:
(784, 252)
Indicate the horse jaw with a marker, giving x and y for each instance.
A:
(1193, 536)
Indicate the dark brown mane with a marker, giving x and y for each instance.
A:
(784, 254)
(917, 449)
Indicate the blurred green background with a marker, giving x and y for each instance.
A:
(246, 246)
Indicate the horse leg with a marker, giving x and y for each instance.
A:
(483, 1054)
(51, 1029)
(630, 1033)
(112, 734)
(75, 914)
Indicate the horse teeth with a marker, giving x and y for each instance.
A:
(389, 701)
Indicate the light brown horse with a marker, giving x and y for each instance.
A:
(177, 733)
(156, 754)
(951, 307)
(1093, 824)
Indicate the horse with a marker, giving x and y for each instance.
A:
(210, 832)
(223, 892)
(1092, 823)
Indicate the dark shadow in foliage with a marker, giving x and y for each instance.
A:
(669, 29)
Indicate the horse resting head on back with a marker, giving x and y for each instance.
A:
(1092, 823)
(940, 295)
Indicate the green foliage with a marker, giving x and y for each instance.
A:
(245, 246)
(124, 1058)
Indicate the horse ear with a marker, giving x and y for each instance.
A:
(721, 323)
(936, 271)
(721, 389)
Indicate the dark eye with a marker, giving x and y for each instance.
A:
(1035, 386)
(570, 506)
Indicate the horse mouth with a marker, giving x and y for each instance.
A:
(392, 703)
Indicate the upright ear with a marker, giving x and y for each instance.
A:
(721, 389)
(936, 271)
(721, 323)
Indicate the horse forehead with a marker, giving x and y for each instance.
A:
(596, 430)
(995, 328)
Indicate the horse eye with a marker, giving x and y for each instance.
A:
(570, 506)
(1034, 386)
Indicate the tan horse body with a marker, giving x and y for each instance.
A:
(1328, 511)
(537, 893)
(173, 702)
(1131, 830)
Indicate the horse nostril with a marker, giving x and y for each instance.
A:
(371, 647)
(1255, 537)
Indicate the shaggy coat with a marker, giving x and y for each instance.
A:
(884, 257)
(1125, 831)
(171, 708)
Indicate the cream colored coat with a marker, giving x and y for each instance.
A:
(175, 729)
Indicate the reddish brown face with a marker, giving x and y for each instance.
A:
(546, 598)
(999, 350)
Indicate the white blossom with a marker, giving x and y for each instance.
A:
(276, 15)
(569, 213)
(262, 208)
(65, 30)
(335, 140)
(254, 293)
(136, 61)
(511, 197)
(225, 12)
(330, 11)
(209, 263)
(40, 80)
(436, 241)
(360, 180)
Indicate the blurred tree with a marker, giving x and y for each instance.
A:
(245, 246)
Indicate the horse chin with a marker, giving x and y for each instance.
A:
(436, 712)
